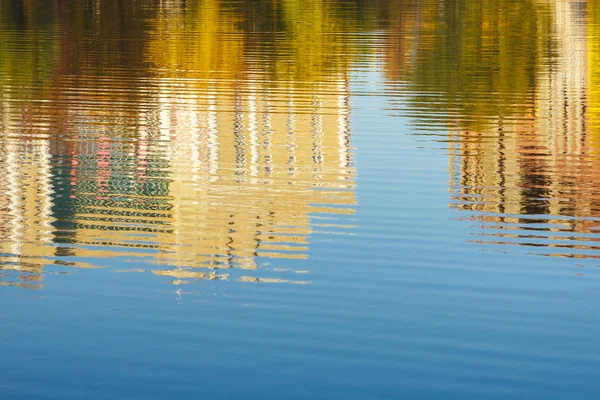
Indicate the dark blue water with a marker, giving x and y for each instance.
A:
(299, 200)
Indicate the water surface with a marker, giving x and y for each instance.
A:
(299, 199)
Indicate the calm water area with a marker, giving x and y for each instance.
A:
(299, 199)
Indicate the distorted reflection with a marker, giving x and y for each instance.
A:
(525, 166)
(187, 135)
(163, 141)
(511, 90)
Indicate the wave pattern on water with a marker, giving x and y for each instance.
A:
(215, 186)
(530, 179)
(349, 186)
(158, 135)
(207, 135)
(509, 91)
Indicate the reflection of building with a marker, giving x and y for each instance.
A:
(176, 146)
(531, 180)
(562, 115)
(235, 177)
(26, 204)
(245, 179)
(213, 178)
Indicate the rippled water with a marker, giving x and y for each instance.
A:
(299, 199)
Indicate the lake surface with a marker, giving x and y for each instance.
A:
(316, 199)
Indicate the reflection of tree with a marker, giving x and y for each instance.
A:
(25, 73)
(477, 60)
(593, 27)
(287, 39)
